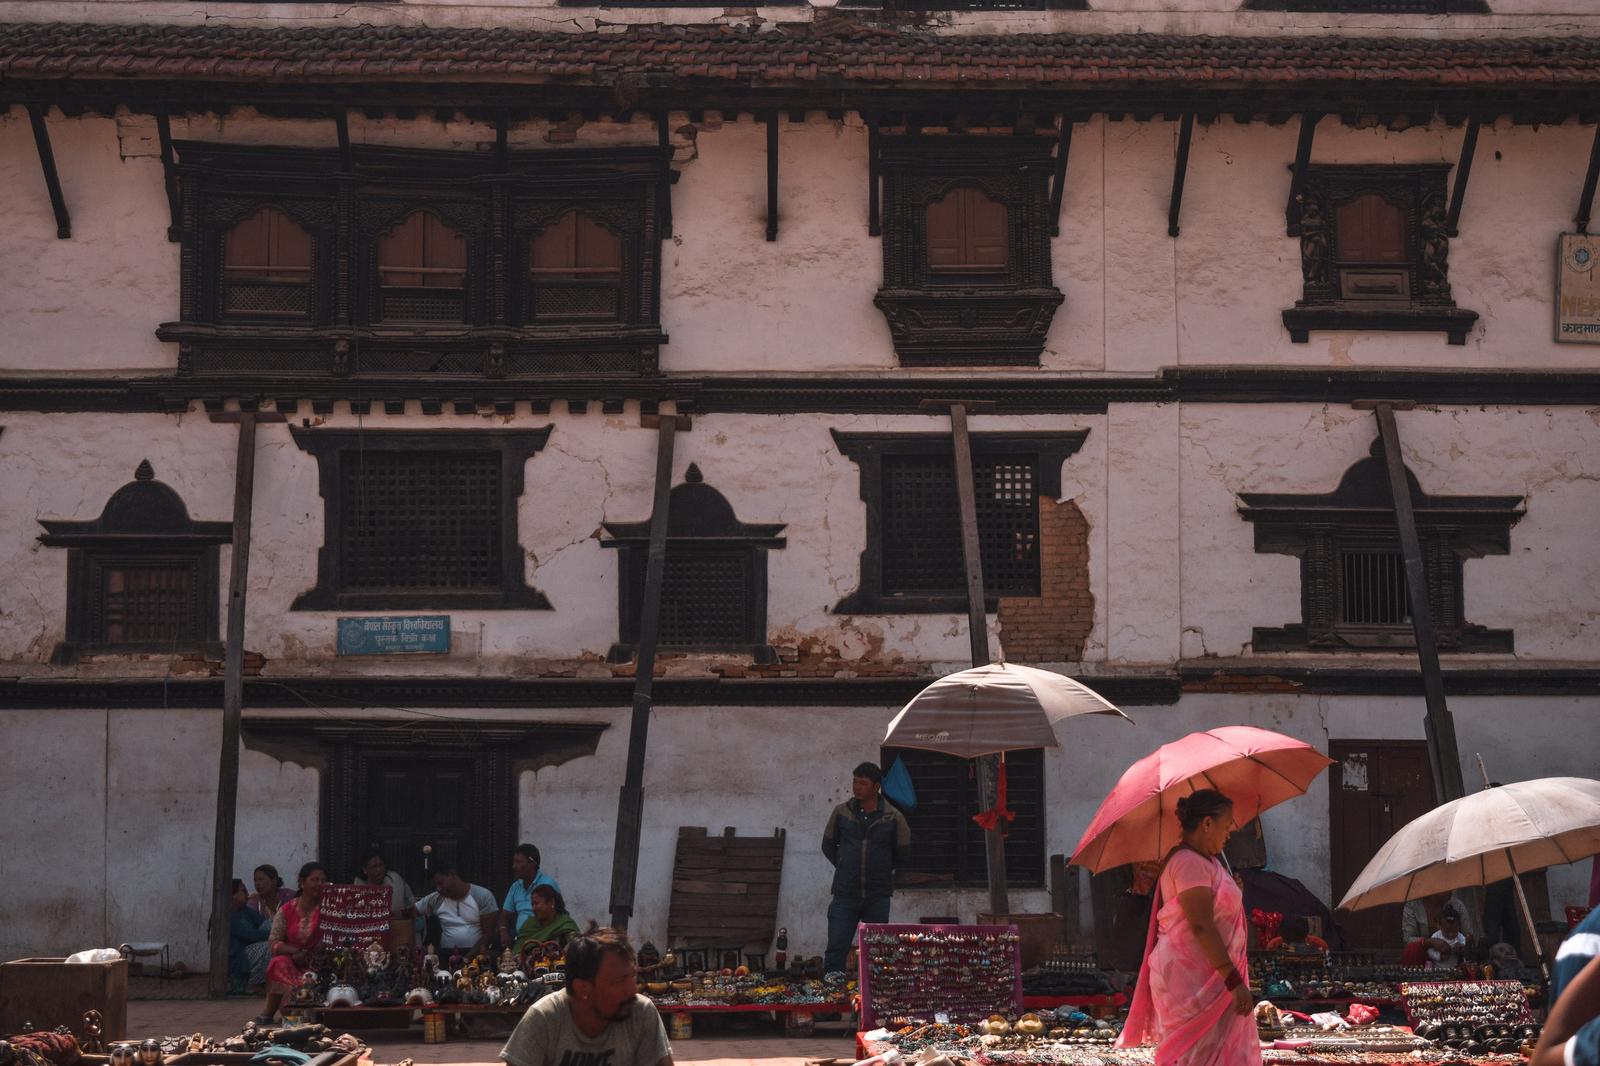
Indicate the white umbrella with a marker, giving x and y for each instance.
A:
(988, 709)
(1482, 838)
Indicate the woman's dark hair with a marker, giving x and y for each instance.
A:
(270, 871)
(1200, 805)
(587, 950)
(310, 868)
(238, 886)
(552, 895)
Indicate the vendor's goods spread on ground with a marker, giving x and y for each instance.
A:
(267, 1045)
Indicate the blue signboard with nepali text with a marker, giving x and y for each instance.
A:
(406, 634)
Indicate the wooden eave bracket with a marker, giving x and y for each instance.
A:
(47, 162)
(1180, 170)
(1058, 178)
(1458, 190)
(874, 211)
(1586, 199)
(169, 173)
(1302, 160)
(772, 176)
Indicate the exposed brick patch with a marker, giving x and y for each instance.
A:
(1052, 627)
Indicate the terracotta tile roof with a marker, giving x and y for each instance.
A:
(840, 52)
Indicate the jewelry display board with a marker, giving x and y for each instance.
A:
(352, 915)
(927, 973)
(1465, 1003)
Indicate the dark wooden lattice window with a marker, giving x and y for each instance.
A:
(422, 270)
(967, 233)
(148, 601)
(922, 527)
(946, 844)
(1372, 588)
(267, 267)
(420, 521)
(1371, 250)
(424, 518)
(576, 268)
(705, 596)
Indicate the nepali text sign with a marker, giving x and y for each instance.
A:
(1577, 289)
(395, 635)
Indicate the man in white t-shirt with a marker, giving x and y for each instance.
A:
(467, 913)
(599, 1019)
(1448, 943)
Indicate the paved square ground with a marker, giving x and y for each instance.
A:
(717, 1042)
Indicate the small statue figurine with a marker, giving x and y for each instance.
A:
(150, 1052)
(306, 993)
(430, 960)
(455, 960)
(508, 961)
(377, 958)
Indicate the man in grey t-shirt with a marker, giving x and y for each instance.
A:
(599, 1019)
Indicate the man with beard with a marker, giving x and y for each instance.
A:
(599, 1019)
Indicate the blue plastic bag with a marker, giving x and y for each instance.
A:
(897, 786)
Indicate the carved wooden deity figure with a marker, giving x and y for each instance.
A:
(1313, 241)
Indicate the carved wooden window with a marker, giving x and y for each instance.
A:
(267, 267)
(142, 576)
(421, 519)
(1374, 252)
(422, 270)
(966, 249)
(1352, 577)
(968, 233)
(576, 268)
(714, 581)
(947, 846)
(913, 562)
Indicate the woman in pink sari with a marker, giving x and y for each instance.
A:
(1193, 996)
(296, 930)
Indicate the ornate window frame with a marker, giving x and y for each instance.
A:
(1419, 190)
(1359, 514)
(698, 518)
(144, 521)
(967, 320)
(331, 446)
(867, 450)
(493, 200)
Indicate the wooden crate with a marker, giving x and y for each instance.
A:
(52, 992)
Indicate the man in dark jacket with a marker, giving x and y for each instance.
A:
(866, 838)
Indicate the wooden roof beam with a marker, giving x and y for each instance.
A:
(47, 162)
(1458, 189)
(1302, 160)
(1180, 170)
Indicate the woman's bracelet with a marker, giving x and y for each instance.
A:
(1232, 980)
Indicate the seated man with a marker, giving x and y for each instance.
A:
(1571, 1034)
(1420, 918)
(1294, 938)
(518, 905)
(466, 913)
(598, 1018)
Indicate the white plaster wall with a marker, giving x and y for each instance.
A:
(1543, 589)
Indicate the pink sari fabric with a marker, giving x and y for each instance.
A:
(1181, 1002)
(301, 932)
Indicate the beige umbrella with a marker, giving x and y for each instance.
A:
(996, 708)
(1486, 837)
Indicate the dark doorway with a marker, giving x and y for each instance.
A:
(416, 802)
(1374, 788)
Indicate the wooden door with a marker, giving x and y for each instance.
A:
(416, 801)
(1375, 787)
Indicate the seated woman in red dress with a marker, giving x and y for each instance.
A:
(296, 932)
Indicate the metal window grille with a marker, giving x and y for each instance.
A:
(420, 521)
(1372, 588)
(946, 843)
(705, 596)
(147, 602)
(922, 525)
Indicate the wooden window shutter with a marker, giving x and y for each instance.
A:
(266, 265)
(967, 232)
(988, 239)
(576, 268)
(1372, 230)
(944, 232)
(423, 252)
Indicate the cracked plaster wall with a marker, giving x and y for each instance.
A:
(1136, 299)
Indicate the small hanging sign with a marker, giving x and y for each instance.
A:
(1577, 289)
(407, 634)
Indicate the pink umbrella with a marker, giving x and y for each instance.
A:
(1138, 821)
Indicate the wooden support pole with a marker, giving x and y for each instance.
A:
(1590, 177)
(978, 635)
(47, 162)
(874, 211)
(772, 176)
(1058, 180)
(630, 804)
(664, 190)
(1302, 160)
(232, 708)
(169, 172)
(1180, 170)
(1458, 190)
(1440, 727)
(341, 125)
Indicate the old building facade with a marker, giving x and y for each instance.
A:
(471, 255)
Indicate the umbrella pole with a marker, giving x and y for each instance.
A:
(1527, 916)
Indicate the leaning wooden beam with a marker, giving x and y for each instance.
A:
(1058, 180)
(1302, 160)
(630, 804)
(772, 176)
(1440, 726)
(1180, 170)
(1586, 200)
(169, 171)
(47, 160)
(341, 125)
(874, 213)
(1458, 191)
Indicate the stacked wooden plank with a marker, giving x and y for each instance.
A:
(725, 889)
